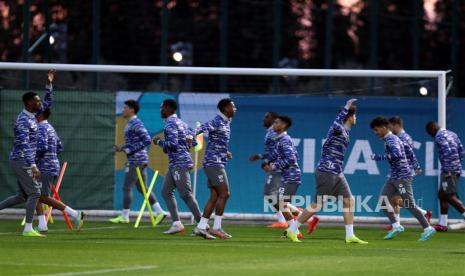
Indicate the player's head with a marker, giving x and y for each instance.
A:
(168, 108)
(44, 115)
(131, 107)
(32, 102)
(351, 117)
(396, 124)
(227, 107)
(380, 126)
(432, 128)
(269, 118)
(282, 123)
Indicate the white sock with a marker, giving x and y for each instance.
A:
(177, 223)
(423, 211)
(42, 222)
(27, 227)
(217, 223)
(395, 224)
(349, 230)
(71, 212)
(157, 208)
(290, 222)
(294, 226)
(397, 216)
(202, 223)
(125, 213)
(280, 216)
(443, 220)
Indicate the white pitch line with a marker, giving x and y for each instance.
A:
(102, 271)
(42, 264)
(83, 229)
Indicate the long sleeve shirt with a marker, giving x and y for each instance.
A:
(394, 153)
(219, 132)
(137, 139)
(270, 141)
(48, 147)
(25, 133)
(286, 159)
(175, 143)
(335, 146)
(451, 151)
(407, 142)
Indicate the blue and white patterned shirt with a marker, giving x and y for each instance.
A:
(407, 142)
(25, 133)
(137, 139)
(270, 141)
(219, 132)
(451, 151)
(394, 153)
(48, 147)
(286, 159)
(335, 146)
(175, 144)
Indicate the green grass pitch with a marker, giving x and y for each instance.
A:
(105, 249)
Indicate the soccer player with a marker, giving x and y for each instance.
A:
(396, 125)
(286, 161)
(451, 153)
(273, 178)
(330, 180)
(137, 139)
(23, 155)
(48, 147)
(399, 180)
(180, 163)
(214, 162)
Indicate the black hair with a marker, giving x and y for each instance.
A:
(45, 113)
(396, 120)
(273, 114)
(287, 120)
(379, 121)
(28, 96)
(171, 104)
(133, 104)
(223, 103)
(431, 124)
(351, 112)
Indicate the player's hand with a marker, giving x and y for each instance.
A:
(189, 141)
(229, 155)
(50, 76)
(156, 139)
(267, 168)
(117, 148)
(254, 157)
(418, 172)
(35, 173)
(350, 102)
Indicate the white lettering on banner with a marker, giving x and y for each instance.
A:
(309, 156)
(296, 142)
(361, 147)
(359, 157)
(429, 160)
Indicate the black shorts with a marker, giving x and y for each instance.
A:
(448, 185)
